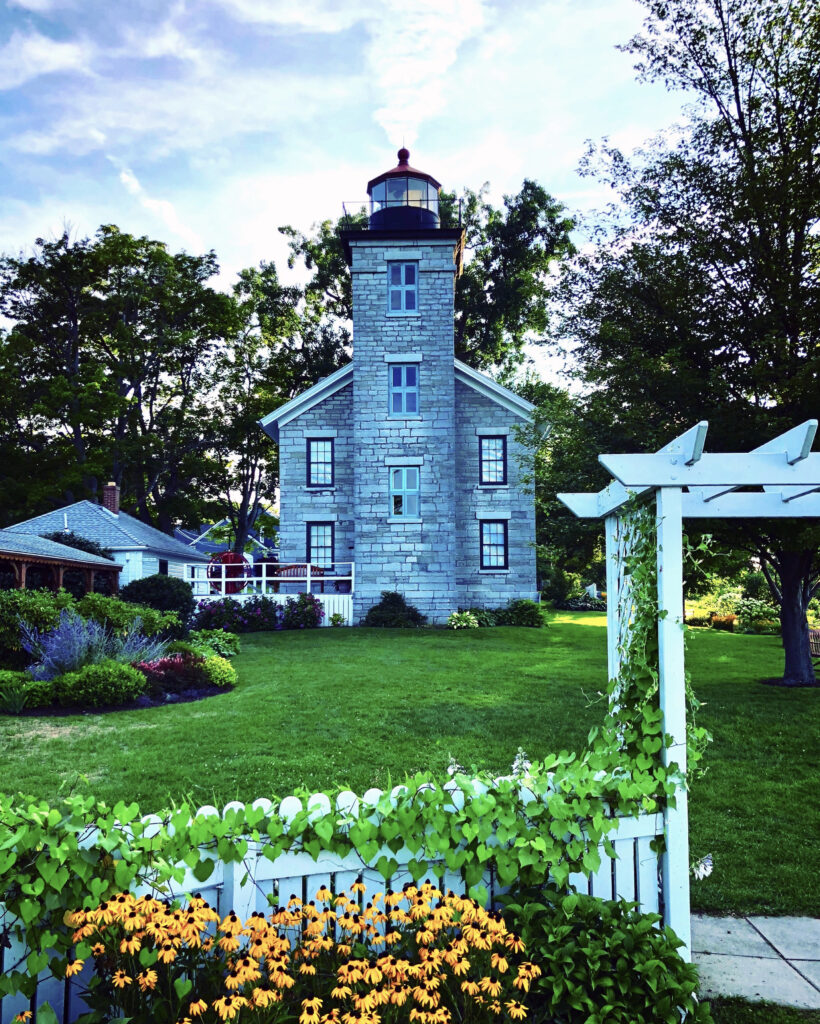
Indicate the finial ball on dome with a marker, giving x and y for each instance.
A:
(403, 155)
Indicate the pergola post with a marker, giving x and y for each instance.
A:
(614, 575)
(672, 682)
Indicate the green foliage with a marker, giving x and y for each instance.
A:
(753, 612)
(112, 341)
(337, 619)
(165, 593)
(485, 617)
(219, 671)
(40, 609)
(603, 961)
(520, 613)
(559, 586)
(394, 612)
(39, 693)
(754, 584)
(214, 641)
(12, 692)
(109, 682)
(699, 620)
(462, 620)
(305, 611)
(716, 225)
(119, 615)
(74, 540)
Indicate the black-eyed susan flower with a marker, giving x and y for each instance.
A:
(324, 895)
(74, 967)
(229, 1006)
(147, 980)
(121, 979)
(499, 962)
(310, 1011)
(231, 925)
(514, 943)
(197, 1008)
(24, 1015)
(516, 1010)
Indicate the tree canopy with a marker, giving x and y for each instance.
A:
(701, 296)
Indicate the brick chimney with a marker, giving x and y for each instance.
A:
(111, 498)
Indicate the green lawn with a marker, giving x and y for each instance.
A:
(360, 708)
(738, 1011)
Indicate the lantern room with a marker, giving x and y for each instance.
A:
(403, 198)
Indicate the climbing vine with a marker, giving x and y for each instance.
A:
(548, 823)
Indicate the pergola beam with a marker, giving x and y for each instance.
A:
(795, 444)
(746, 505)
(723, 471)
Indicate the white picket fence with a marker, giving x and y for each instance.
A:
(257, 882)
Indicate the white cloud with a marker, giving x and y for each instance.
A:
(26, 56)
(326, 16)
(162, 209)
(36, 6)
(413, 45)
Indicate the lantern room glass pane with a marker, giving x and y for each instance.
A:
(416, 192)
(396, 191)
(378, 195)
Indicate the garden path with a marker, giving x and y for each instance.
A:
(759, 958)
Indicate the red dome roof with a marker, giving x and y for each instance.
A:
(402, 170)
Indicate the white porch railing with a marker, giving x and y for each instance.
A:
(331, 584)
(221, 579)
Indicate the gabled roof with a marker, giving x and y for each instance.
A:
(14, 543)
(115, 532)
(328, 386)
(486, 386)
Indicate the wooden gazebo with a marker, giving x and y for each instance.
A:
(23, 551)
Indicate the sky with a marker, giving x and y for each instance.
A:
(207, 124)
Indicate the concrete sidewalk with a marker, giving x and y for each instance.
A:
(772, 958)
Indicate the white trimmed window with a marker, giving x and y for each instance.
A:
(404, 389)
(320, 462)
(402, 287)
(492, 460)
(493, 542)
(320, 544)
(404, 491)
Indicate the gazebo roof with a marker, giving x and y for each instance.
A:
(22, 545)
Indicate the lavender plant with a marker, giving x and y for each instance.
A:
(75, 642)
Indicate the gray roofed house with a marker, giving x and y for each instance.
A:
(140, 549)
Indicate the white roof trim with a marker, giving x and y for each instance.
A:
(307, 400)
(486, 386)
(336, 381)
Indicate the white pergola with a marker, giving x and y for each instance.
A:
(778, 480)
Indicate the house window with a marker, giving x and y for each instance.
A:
(404, 389)
(163, 566)
(320, 462)
(404, 491)
(402, 287)
(492, 460)
(320, 544)
(494, 550)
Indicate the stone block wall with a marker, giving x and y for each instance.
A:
(414, 557)
(515, 502)
(300, 503)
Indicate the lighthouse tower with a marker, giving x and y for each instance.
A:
(404, 266)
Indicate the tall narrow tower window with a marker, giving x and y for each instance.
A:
(404, 389)
(402, 287)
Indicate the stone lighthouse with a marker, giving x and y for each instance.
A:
(407, 462)
(404, 267)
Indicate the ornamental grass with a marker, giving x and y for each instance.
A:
(417, 955)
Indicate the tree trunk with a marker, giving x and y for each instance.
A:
(798, 670)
